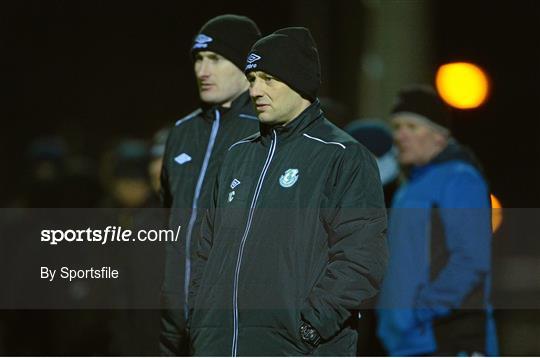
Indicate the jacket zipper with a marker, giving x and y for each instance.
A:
(194, 206)
(258, 188)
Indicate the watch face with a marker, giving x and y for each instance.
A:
(309, 333)
(303, 330)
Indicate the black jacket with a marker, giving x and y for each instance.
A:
(194, 151)
(296, 232)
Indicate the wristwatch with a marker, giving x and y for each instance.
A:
(309, 334)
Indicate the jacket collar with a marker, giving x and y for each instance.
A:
(453, 151)
(295, 127)
(237, 106)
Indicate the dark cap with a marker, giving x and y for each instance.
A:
(422, 100)
(228, 35)
(290, 54)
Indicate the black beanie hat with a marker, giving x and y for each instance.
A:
(228, 35)
(291, 55)
(424, 101)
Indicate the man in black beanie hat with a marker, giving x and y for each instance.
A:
(294, 241)
(194, 150)
(420, 106)
(435, 298)
(287, 60)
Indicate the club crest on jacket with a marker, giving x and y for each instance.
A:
(288, 178)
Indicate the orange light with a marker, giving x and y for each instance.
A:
(496, 213)
(462, 85)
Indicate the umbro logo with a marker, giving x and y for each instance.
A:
(251, 59)
(235, 183)
(182, 158)
(201, 41)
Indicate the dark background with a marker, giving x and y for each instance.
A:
(96, 70)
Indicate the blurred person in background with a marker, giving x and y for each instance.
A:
(134, 325)
(335, 111)
(47, 173)
(57, 177)
(377, 137)
(126, 176)
(157, 149)
(52, 181)
(194, 151)
(435, 297)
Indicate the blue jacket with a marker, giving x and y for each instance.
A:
(440, 260)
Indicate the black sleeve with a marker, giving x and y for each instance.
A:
(173, 336)
(165, 190)
(204, 245)
(173, 339)
(356, 224)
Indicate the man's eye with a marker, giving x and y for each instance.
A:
(398, 126)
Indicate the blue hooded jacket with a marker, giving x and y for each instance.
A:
(429, 279)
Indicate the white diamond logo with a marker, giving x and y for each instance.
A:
(182, 158)
(235, 183)
(253, 57)
(201, 41)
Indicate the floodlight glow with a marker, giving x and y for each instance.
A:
(462, 85)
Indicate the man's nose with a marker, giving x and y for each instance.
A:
(399, 135)
(203, 70)
(255, 89)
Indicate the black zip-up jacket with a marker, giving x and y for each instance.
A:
(195, 149)
(296, 232)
